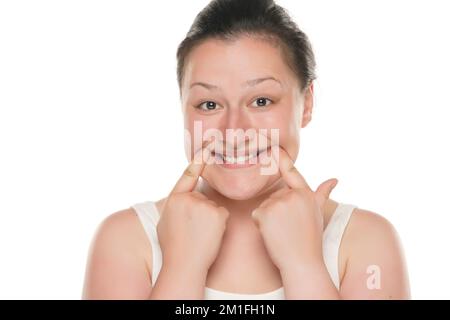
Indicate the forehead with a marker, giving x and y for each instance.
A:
(231, 62)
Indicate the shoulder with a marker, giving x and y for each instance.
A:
(120, 229)
(119, 251)
(370, 228)
(363, 223)
(371, 245)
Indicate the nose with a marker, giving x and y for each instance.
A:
(235, 126)
(236, 118)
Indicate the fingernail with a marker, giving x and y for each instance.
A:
(335, 183)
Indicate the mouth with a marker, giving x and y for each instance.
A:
(234, 161)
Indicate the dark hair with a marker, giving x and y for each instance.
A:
(228, 19)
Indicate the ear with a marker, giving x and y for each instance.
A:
(308, 105)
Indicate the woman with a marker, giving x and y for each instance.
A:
(228, 230)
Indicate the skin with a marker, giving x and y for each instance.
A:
(225, 231)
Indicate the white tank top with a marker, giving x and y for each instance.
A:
(149, 216)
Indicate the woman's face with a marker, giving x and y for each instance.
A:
(233, 87)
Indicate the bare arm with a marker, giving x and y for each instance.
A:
(376, 267)
(116, 267)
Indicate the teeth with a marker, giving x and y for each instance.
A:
(240, 159)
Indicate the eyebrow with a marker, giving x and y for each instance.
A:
(254, 82)
(205, 85)
(248, 83)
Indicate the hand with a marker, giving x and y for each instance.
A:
(291, 219)
(191, 226)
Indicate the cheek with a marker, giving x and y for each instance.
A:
(196, 129)
(291, 141)
(287, 124)
(191, 125)
(291, 132)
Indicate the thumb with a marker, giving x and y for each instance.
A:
(325, 188)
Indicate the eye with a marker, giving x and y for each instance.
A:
(261, 102)
(208, 106)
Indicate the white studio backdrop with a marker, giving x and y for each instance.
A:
(90, 123)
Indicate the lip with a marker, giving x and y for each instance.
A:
(240, 163)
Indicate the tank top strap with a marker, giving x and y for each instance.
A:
(149, 216)
(332, 237)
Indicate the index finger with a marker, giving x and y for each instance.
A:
(188, 180)
(288, 171)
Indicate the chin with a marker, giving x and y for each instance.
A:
(238, 184)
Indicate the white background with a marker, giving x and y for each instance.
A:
(90, 123)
